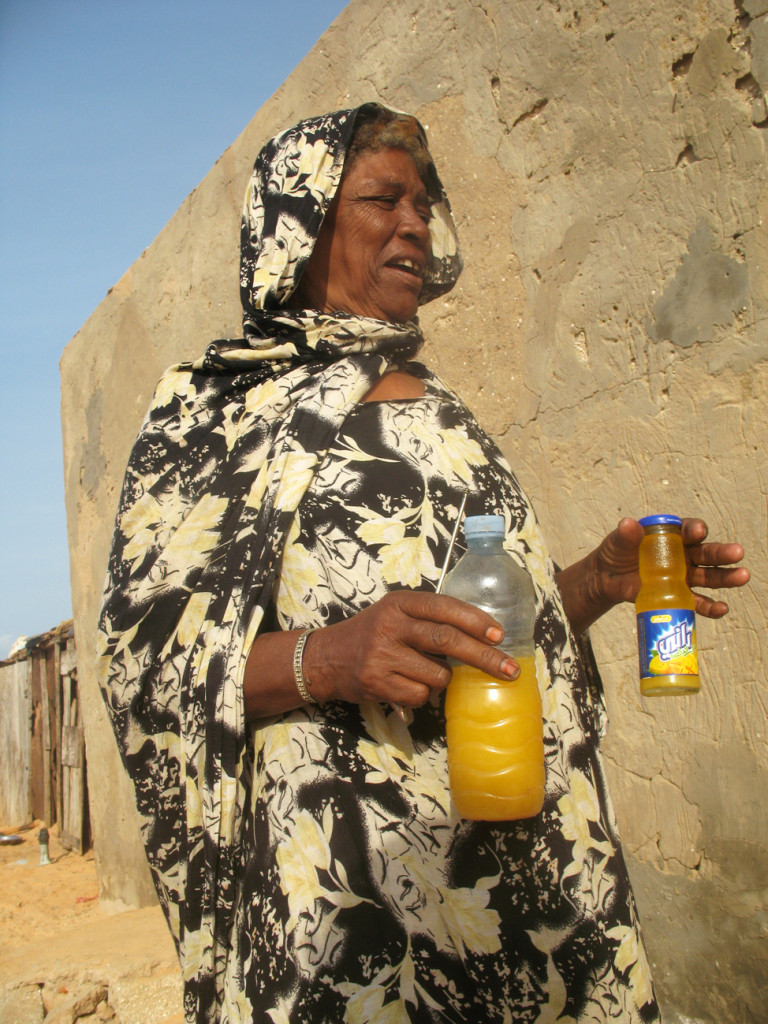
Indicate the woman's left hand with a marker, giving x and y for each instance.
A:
(609, 574)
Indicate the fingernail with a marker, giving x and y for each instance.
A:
(510, 668)
(495, 634)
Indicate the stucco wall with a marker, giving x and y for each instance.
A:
(607, 168)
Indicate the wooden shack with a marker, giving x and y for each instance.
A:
(42, 744)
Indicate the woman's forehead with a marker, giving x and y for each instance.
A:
(389, 167)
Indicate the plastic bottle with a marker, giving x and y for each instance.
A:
(666, 623)
(494, 727)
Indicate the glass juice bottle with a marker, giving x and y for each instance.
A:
(666, 622)
(494, 727)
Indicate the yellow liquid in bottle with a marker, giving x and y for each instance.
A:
(495, 744)
(664, 586)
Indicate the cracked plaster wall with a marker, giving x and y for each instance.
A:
(607, 168)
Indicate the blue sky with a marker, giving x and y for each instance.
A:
(111, 112)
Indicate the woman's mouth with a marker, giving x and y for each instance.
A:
(409, 266)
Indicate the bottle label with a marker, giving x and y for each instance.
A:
(667, 643)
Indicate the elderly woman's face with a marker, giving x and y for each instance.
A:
(374, 245)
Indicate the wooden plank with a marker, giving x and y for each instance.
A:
(73, 825)
(68, 662)
(57, 718)
(52, 680)
(72, 747)
(36, 780)
(66, 798)
(45, 704)
(15, 739)
(75, 812)
(71, 688)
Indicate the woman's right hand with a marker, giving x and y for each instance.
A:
(395, 650)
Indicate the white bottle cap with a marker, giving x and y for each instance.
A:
(484, 526)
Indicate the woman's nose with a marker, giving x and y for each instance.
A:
(413, 225)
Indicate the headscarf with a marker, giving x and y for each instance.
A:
(229, 446)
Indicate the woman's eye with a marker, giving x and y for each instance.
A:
(389, 202)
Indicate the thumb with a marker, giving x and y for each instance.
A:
(618, 552)
(628, 534)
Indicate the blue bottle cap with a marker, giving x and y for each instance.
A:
(664, 520)
(484, 526)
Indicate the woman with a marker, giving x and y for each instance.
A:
(299, 831)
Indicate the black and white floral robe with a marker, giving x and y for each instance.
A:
(311, 866)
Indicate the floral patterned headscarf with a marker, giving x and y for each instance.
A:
(294, 181)
(228, 448)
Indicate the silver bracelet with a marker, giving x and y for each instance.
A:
(298, 673)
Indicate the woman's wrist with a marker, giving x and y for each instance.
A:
(270, 681)
(583, 593)
(302, 682)
(317, 665)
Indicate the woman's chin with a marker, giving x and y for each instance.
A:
(398, 313)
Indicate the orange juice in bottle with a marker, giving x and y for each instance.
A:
(494, 726)
(666, 622)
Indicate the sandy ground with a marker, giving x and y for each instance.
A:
(63, 958)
